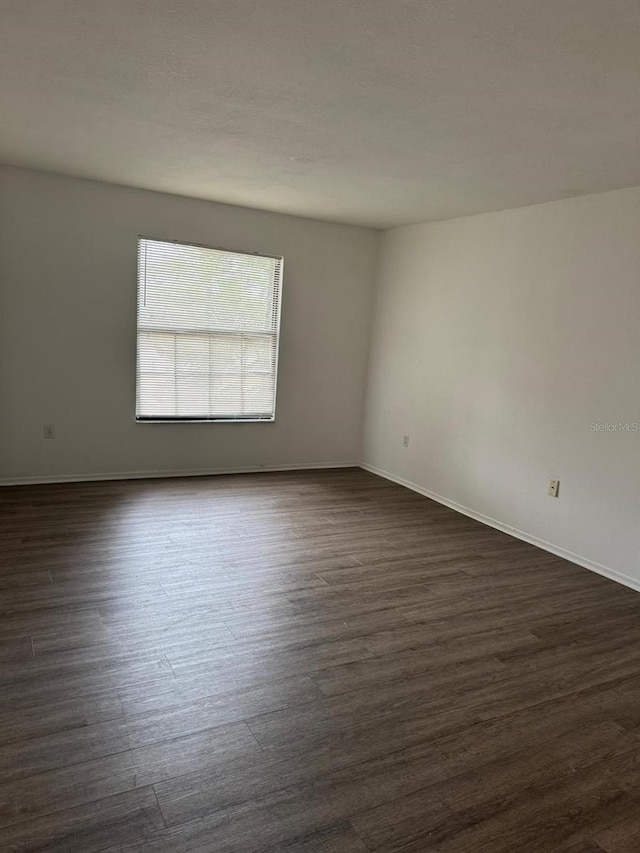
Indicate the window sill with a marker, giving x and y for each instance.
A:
(205, 420)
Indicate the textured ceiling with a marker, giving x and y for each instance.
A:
(375, 112)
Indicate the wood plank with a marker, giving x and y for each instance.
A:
(90, 828)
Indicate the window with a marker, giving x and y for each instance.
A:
(207, 333)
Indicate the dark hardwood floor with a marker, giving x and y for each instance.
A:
(313, 662)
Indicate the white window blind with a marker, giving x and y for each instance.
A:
(207, 333)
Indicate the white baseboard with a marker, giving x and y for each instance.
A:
(607, 572)
(187, 472)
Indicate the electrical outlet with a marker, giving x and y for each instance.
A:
(405, 440)
(554, 488)
(49, 431)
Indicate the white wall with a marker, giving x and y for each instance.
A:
(67, 332)
(496, 341)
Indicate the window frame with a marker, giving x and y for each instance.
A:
(240, 419)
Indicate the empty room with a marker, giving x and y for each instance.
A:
(319, 426)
